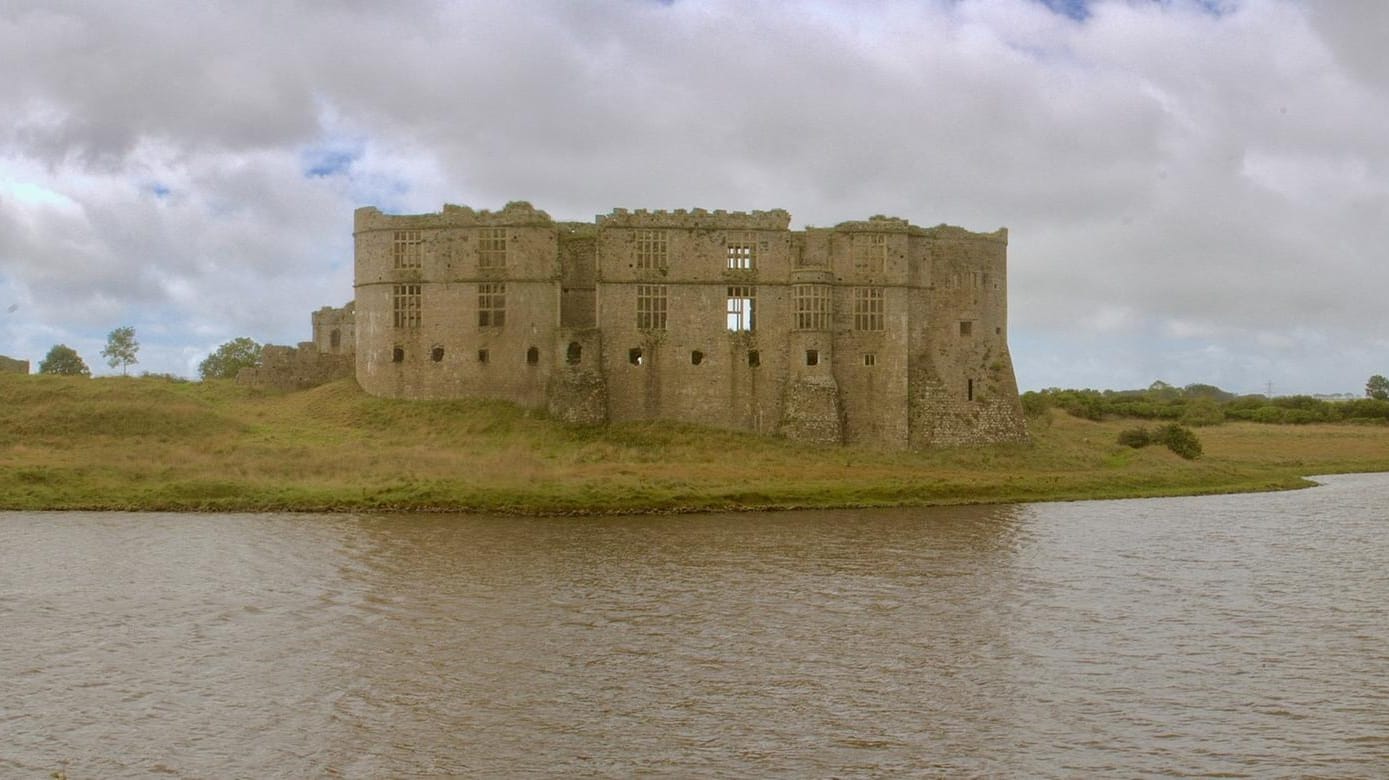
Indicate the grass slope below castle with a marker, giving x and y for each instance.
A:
(153, 444)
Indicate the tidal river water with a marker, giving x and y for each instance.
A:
(1233, 636)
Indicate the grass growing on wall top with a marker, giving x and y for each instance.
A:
(149, 443)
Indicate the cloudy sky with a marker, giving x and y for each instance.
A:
(1195, 191)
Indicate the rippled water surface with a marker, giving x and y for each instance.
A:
(1238, 635)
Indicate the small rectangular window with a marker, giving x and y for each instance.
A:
(812, 357)
(405, 305)
(742, 251)
(868, 308)
(651, 249)
(482, 356)
(634, 356)
(870, 359)
(491, 305)
(754, 358)
(969, 390)
(740, 312)
(966, 328)
(651, 307)
(407, 249)
(491, 247)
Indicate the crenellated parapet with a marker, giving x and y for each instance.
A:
(696, 219)
(517, 213)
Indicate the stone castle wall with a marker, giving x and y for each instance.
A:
(874, 332)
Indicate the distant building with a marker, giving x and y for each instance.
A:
(13, 366)
(870, 332)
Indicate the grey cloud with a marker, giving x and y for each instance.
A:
(1157, 163)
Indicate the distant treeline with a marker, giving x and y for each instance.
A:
(1202, 405)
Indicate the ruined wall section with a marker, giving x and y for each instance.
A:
(963, 389)
(334, 330)
(487, 306)
(10, 365)
(695, 368)
(295, 368)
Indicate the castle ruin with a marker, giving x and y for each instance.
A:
(874, 332)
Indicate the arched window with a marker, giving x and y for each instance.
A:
(574, 354)
(436, 354)
(398, 355)
(335, 338)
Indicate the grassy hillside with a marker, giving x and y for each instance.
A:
(148, 443)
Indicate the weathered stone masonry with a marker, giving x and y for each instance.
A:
(870, 332)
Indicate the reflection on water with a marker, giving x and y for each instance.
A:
(1236, 635)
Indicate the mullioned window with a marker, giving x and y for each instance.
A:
(407, 249)
(652, 250)
(651, 307)
(868, 308)
(812, 306)
(491, 305)
(742, 251)
(491, 247)
(405, 305)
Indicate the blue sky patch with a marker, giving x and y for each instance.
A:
(1078, 10)
(329, 160)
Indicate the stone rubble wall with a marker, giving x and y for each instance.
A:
(295, 368)
(10, 365)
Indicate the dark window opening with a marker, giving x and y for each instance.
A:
(574, 354)
(532, 356)
(398, 355)
(870, 359)
(998, 331)
(969, 390)
(754, 358)
(812, 357)
(436, 354)
(482, 356)
(335, 338)
(634, 356)
(966, 328)
(696, 357)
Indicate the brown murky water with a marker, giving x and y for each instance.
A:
(1241, 635)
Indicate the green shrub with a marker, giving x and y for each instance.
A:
(1202, 412)
(1035, 404)
(1135, 437)
(1180, 439)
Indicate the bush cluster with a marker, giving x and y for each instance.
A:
(1177, 438)
(1201, 405)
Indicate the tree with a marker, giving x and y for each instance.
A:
(121, 347)
(63, 360)
(1377, 388)
(230, 358)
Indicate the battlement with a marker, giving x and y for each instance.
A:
(517, 213)
(776, 219)
(951, 233)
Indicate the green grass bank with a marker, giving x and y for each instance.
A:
(155, 444)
